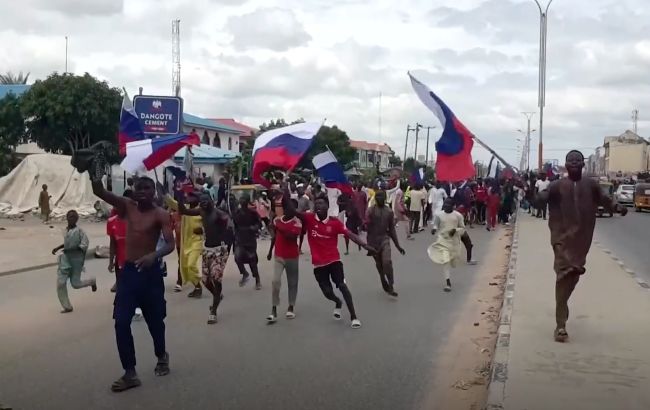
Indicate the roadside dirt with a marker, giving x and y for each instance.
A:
(462, 367)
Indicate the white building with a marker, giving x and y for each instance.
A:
(212, 132)
(369, 153)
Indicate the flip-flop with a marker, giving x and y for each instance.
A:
(123, 384)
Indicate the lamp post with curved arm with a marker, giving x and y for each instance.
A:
(543, 17)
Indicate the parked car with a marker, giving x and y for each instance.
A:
(625, 195)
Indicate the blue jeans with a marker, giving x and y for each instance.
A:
(144, 289)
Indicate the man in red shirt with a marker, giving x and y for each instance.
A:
(116, 231)
(481, 195)
(322, 234)
(286, 231)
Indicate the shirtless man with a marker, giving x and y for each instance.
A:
(141, 280)
(216, 246)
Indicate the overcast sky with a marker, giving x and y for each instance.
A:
(261, 59)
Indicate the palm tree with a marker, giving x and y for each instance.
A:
(10, 78)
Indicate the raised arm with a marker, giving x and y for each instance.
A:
(186, 211)
(118, 202)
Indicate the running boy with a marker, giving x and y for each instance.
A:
(286, 230)
(71, 261)
(322, 234)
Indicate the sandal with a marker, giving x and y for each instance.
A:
(561, 335)
(125, 383)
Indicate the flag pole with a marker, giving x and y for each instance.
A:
(493, 152)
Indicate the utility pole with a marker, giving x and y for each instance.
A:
(379, 119)
(635, 121)
(176, 58)
(427, 154)
(543, 17)
(66, 54)
(417, 133)
(406, 145)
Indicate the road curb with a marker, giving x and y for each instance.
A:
(624, 268)
(499, 368)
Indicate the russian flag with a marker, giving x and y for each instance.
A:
(281, 148)
(418, 176)
(130, 128)
(330, 171)
(147, 154)
(454, 148)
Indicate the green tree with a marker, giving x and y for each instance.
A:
(337, 141)
(394, 161)
(66, 112)
(12, 130)
(409, 165)
(11, 78)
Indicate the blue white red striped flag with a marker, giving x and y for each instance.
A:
(281, 148)
(130, 128)
(330, 171)
(454, 148)
(149, 153)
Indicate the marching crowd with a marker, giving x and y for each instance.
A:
(204, 226)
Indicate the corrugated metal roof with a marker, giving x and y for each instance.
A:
(207, 154)
(193, 120)
(16, 89)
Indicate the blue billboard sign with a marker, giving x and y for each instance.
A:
(159, 115)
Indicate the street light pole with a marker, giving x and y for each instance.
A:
(529, 116)
(543, 17)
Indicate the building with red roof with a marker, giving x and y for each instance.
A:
(369, 153)
(246, 131)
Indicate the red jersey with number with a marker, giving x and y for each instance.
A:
(323, 239)
(116, 229)
(286, 248)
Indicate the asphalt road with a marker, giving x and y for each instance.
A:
(54, 361)
(629, 238)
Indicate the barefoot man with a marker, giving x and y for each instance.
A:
(572, 204)
(141, 280)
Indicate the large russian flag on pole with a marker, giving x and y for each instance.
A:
(147, 154)
(330, 171)
(281, 148)
(130, 128)
(454, 148)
